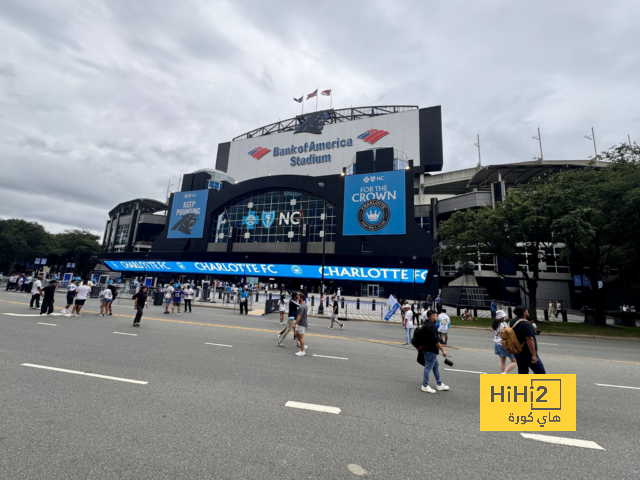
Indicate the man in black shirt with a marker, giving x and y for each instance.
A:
(526, 335)
(47, 301)
(334, 313)
(427, 341)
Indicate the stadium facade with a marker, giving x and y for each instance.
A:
(354, 193)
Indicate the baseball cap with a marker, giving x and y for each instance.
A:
(501, 314)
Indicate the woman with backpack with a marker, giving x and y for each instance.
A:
(498, 325)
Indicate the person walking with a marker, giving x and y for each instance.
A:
(71, 293)
(552, 308)
(188, 298)
(19, 282)
(334, 313)
(429, 302)
(494, 308)
(443, 327)
(140, 303)
(26, 286)
(301, 325)
(36, 292)
(291, 320)
(558, 308)
(48, 293)
(106, 297)
(82, 293)
(415, 311)
(428, 344)
(438, 304)
(338, 293)
(499, 323)
(282, 307)
(244, 301)
(114, 296)
(177, 298)
(168, 298)
(407, 324)
(526, 336)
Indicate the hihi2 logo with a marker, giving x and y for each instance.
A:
(527, 403)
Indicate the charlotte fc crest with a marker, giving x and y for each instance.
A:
(374, 215)
(268, 218)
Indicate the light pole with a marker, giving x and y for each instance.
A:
(400, 285)
(539, 138)
(593, 138)
(246, 258)
(477, 144)
(324, 235)
(413, 259)
(144, 275)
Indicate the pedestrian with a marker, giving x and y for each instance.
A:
(407, 324)
(301, 325)
(168, 298)
(552, 308)
(558, 308)
(106, 297)
(439, 304)
(114, 295)
(415, 311)
(428, 344)
(177, 298)
(443, 327)
(467, 315)
(20, 282)
(494, 308)
(47, 301)
(282, 307)
(36, 292)
(429, 302)
(291, 320)
(499, 323)
(82, 293)
(11, 283)
(71, 293)
(244, 301)
(338, 293)
(139, 303)
(334, 313)
(188, 298)
(526, 336)
(26, 286)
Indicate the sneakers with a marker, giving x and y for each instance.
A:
(280, 345)
(301, 354)
(64, 310)
(305, 347)
(329, 327)
(342, 326)
(442, 387)
(178, 313)
(428, 389)
(166, 313)
(279, 337)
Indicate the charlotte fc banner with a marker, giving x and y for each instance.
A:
(188, 214)
(374, 204)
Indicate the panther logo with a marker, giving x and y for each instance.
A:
(313, 123)
(186, 223)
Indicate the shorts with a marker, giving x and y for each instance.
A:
(334, 317)
(167, 301)
(80, 302)
(499, 350)
(106, 300)
(70, 298)
(300, 330)
(176, 304)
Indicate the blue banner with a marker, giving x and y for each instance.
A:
(374, 204)
(392, 312)
(188, 212)
(365, 274)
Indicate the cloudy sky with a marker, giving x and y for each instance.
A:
(105, 101)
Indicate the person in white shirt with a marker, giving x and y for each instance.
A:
(282, 307)
(12, 280)
(499, 324)
(443, 329)
(188, 297)
(36, 291)
(71, 294)
(168, 298)
(106, 297)
(82, 293)
(407, 323)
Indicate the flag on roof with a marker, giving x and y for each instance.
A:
(299, 100)
(313, 94)
(326, 93)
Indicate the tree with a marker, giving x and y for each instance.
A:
(523, 221)
(21, 240)
(76, 246)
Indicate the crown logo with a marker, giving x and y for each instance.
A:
(373, 215)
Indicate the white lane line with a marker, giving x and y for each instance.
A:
(64, 370)
(563, 441)
(51, 324)
(219, 345)
(130, 334)
(325, 356)
(311, 406)
(554, 344)
(464, 371)
(616, 386)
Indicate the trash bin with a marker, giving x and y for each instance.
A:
(158, 297)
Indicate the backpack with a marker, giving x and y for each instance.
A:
(509, 340)
(416, 340)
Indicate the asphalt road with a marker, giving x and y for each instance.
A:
(214, 411)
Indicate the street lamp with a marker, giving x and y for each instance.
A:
(593, 138)
(477, 144)
(144, 275)
(413, 259)
(539, 138)
(246, 258)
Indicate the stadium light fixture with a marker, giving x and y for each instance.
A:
(539, 138)
(592, 137)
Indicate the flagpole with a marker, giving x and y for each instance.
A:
(317, 99)
(331, 99)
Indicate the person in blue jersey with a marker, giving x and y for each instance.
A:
(177, 298)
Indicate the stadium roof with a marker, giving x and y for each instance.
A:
(335, 116)
(145, 205)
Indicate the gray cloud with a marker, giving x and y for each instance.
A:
(101, 102)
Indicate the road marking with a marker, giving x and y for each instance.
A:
(554, 344)
(51, 324)
(464, 371)
(130, 334)
(356, 469)
(616, 386)
(219, 345)
(311, 406)
(85, 373)
(326, 356)
(563, 441)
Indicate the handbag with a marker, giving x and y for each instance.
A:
(448, 362)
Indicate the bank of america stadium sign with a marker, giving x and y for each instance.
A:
(365, 274)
